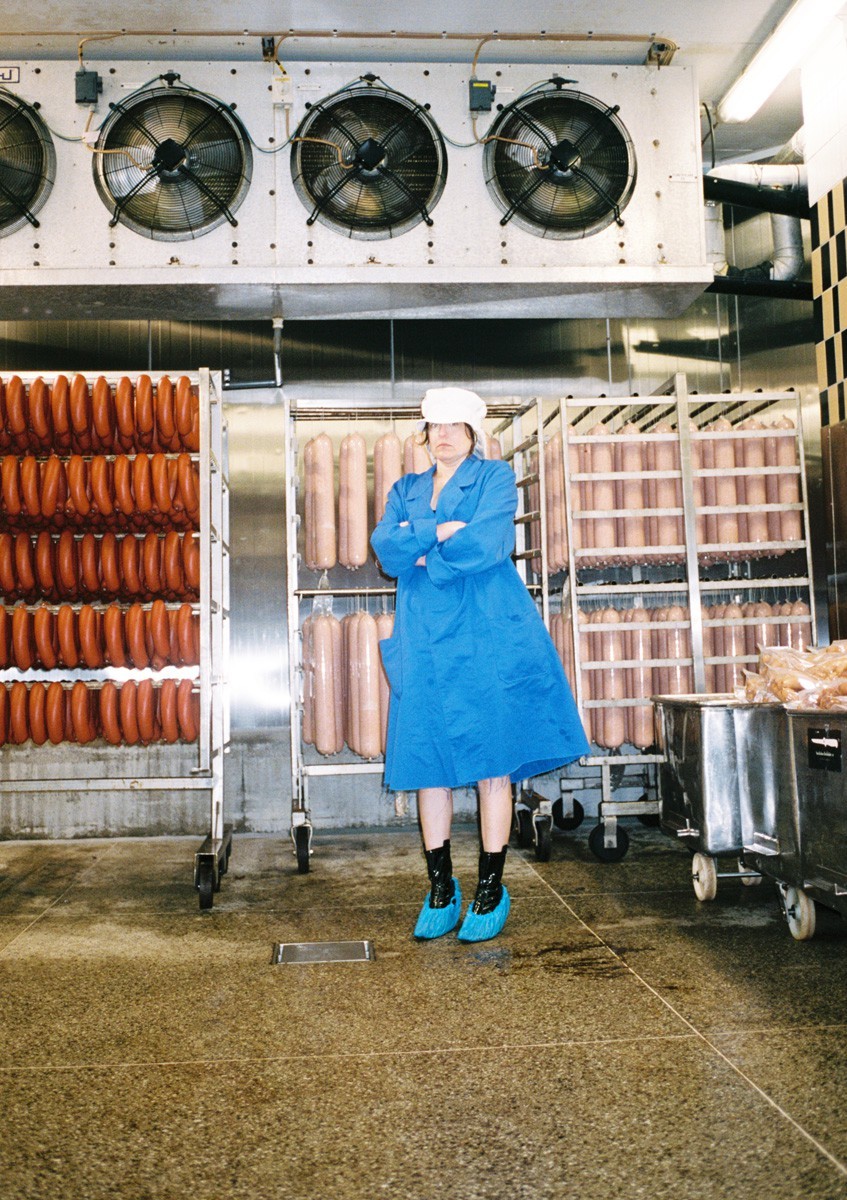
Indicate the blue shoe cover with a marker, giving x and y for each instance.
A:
(435, 922)
(479, 927)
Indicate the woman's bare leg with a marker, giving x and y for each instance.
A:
(435, 809)
(495, 812)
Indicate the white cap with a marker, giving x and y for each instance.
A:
(449, 405)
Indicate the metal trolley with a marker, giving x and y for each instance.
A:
(73, 769)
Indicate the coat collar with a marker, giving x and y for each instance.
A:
(463, 478)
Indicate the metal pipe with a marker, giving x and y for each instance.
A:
(772, 289)
(793, 203)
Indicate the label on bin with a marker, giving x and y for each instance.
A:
(825, 749)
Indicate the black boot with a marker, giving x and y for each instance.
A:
(489, 890)
(439, 867)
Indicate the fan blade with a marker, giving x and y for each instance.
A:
(17, 203)
(333, 118)
(142, 129)
(601, 192)
(398, 125)
(325, 200)
(210, 116)
(525, 195)
(536, 129)
(208, 191)
(121, 202)
(396, 179)
(602, 116)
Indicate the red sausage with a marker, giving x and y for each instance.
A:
(90, 639)
(4, 715)
(141, 486)
(113, 635)
(123, 485)
(10, 477)
(109, 713)
(81, 713)
(24, 566)
(188, 489)
(167, 710)
(51, 478)
(129, 565)
(31, 486)
(66, 629)
(144, 410)
(55, 713)
(8, 582)
(160, 629)
(165, 416)
(16, 415)
(161, 485)
(60, 412)
(151, 563)
(5, 639)
(146, 711)
(66, 563)
(191, 560)
(78, 485)
(185, 627)
(39, 411)
(129, 712)
(109, 571)
(23, 645)
(44, 632)
(89, 567)
(81, 412)
(136, 636)
(103, 413)
(172, 561)
(100, 471)
(125, 412)
(185, 404)
(44, 564)
(185, 711)
(18, 713)
(37, 712)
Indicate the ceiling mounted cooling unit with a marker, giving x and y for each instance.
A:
(559, 162)
(172, 163)
(27, 163)
(368, 161)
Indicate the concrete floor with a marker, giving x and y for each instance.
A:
(618, 1040)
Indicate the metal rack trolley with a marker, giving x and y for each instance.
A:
(117, 769)
(688, 579)
(305, 766)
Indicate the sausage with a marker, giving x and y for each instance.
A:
(184, 406)
(191, 441)
(754, 483)
(4, 711)
(90, 639)
(18, 713)
(78, 485)
(55, 713)
(128, 708)
(161, 485)
(109, 571)
(613, 680)
(668, 493)
(185, 633)
(5, 439)
(167, 710)
(16, 414)
(310, 536)
(185, 711)
(172, 564)
(24, 566)
(188, 485)
(100, 471)
(6, 658)
(44, 565)
(698, 486)
(23, 645)
(44, 633)
(110, 713)
(89, 565)
(734, 646)
(124, 500)
(50, 477)
(80, 407)
(125, 413)
(129, 566)
(146, 711)
(677, 674)
(350, 658)
(141, 485)
(39, 412)
(328, 737)
(641, 681)
(585, 655)
(160, 629)
(801, 634)
(66, 630)
(145, 417)
(136, 636)
(416, 457)
(726, 492)
(353, 501)
(388, 467)
(165, 415)
(37, 713)
(103, 413)
(67, 570)
(384, 630)
(11, 484)
(788, 486)
(8, 581)
(191, 560)
(307, 731)
(369, 668)
(630, 457)
(30, 486)
(60, 413)
(113, 635)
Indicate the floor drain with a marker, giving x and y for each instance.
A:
(322, 952)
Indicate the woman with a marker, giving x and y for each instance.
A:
(478, 694)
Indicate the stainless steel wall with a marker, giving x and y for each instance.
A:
(721, 343)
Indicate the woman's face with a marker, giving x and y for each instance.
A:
(449, 443)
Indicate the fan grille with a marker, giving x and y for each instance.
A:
(368, 163)
(560, 163)
(27, 163)
(173, 164)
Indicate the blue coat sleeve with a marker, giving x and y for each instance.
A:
(398, 542)
(487, 539)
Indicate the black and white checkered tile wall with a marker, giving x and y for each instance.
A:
(829, 287)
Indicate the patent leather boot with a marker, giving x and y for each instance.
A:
(441, 908)
(487, 915)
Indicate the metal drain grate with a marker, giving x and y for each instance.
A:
(322, 952)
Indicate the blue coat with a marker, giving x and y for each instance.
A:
(477, 689)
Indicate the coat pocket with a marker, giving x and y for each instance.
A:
(519, 646)
(389, 649)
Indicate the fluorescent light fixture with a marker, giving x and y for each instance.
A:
(793, 37)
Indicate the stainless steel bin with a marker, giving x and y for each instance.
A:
(819, 749)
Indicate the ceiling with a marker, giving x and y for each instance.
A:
(716, 39)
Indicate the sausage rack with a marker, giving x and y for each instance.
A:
(73, 769)
(686, 581)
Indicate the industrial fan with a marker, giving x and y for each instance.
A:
(27, 163)
(171, 162)
(559, 162)
(368, 161)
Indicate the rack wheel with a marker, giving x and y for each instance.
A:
(608, 854)
(567, 823)
(525, 836)
(704, 876)
(748, 880)
(800, 913)
(206, 885)
(301, 846)
(543, 838)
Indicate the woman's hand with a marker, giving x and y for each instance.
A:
(447, 528)
(421, 562)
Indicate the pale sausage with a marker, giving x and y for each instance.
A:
(367, 642)
(388, 467)
(324, 504)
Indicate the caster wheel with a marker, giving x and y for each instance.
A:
(525, 835)
(301, 846)
(206, 886)
(543, 838)
(800, 913)
(704, 877)
(608, 854)
(749, 880)
(567, 823)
